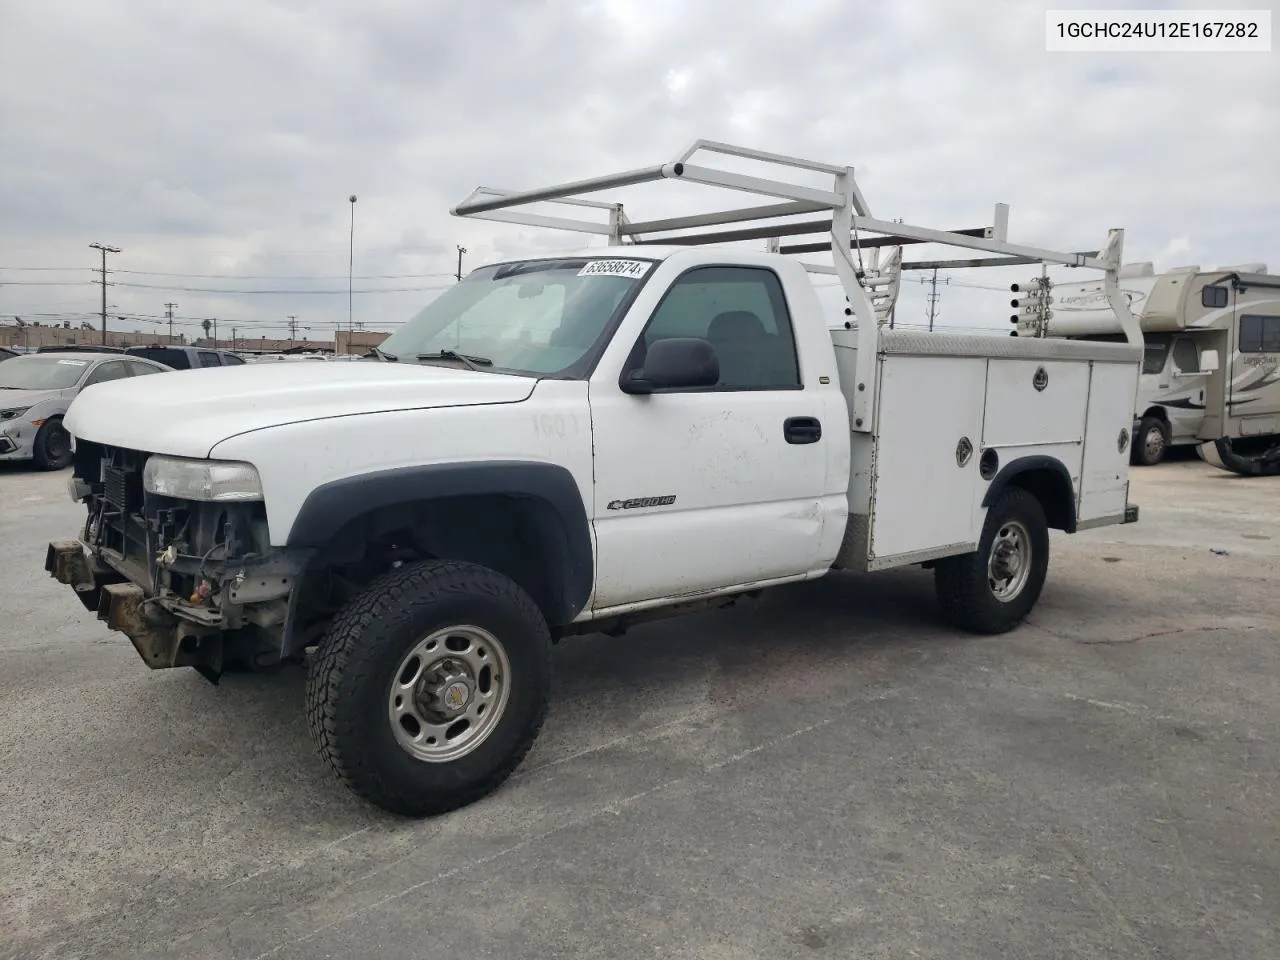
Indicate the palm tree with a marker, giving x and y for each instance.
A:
(206, 324)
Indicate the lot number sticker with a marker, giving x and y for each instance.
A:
(73, 363)
(635, 269)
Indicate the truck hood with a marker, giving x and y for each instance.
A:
(187, 413)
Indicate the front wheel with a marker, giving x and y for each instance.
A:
(430, 688)
(993, 589)
(1151, 442)
(52, 445)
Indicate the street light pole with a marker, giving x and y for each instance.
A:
(105, 250)
(351, 259)
(461, 251)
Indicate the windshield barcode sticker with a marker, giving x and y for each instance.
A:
(73, 363)
(615, 268)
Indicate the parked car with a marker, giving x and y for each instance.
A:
(6, 353)
(78, 348)
(37, 388)
(185, 358)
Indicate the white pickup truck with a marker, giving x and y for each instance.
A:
(575, 442)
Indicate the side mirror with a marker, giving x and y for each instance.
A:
(679, 362)
(1208, 361)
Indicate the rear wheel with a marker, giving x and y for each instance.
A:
(993, 589)
(52, 446)
(430, 688)
(1151, 443)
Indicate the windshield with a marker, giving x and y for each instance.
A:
(1154, 352)
(534, 317)
(40, 373)
(1155, 348)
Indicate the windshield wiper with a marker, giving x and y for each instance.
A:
(471, 361)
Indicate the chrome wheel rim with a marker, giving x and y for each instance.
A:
(1009, 564)
(449, 693)
(1154, 441)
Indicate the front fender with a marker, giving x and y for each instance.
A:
(332, 506)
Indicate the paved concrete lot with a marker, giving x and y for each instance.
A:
(829, 772)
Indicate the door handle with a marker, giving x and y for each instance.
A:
(802, 430)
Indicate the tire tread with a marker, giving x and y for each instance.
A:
(344, 658)
(961, 582)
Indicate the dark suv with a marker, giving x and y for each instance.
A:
(186, 358)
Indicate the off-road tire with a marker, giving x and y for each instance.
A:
(51, 449)
(1150, 427)
(350, 675)
(963, 589)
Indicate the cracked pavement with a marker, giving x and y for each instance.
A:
(827, 772)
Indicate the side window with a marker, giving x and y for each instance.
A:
(1186, 358)
(209, 359)
(1259, 334)
(742, 313)
(1214, 297)
(141, 369)
(111, 370)
(230, 360)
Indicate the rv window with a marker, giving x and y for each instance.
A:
(1259, 334)
(1185, 356)
(1213, 297)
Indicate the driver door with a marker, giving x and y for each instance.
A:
(705, 488)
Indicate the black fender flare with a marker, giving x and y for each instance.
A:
(1039, 463)
(331, 506)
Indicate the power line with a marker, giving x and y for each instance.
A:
(154, 286)
(47, 283)
(233, 276)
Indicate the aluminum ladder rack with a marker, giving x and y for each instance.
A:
(871, 290)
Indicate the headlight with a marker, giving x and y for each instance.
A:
(215, 480)
(13, 413)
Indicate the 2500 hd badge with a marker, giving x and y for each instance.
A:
(636, 502)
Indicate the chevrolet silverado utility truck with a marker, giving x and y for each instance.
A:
(575, 442)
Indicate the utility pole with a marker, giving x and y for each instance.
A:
(461, 251)
(215, 333)
(233, 338)
(351, 259)
(105, 250)
(293, 327)
(933, 297)
(168, 308)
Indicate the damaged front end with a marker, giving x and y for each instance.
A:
(176, 555)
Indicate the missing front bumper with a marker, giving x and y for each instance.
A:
(161, 638)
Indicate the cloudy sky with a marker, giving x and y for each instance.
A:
(217, 143)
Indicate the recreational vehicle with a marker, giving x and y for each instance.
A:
(1212, 349)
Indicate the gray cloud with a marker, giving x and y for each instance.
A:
(225, 138)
